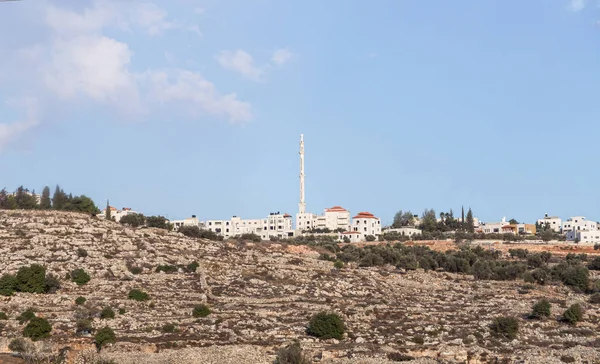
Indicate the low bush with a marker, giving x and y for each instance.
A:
(594, 264)
(506, 327)
(104, 336)
(122, 311)
(418, 339)
(338, 264)
(82, 253)
(19, 345)
(167, 268)
(80, 276)
(399, 357)
(168, 328)
(193, 266)
(292, 354)
(541, 310)
(107, 313)
(595, 298)
(84, 327)
(138, 295)
(573, 314)
(31, 279)
(38, 328)
(326, 326)
(250, 237)
(8, 285)
(201, 311)
(3, 316)
(135, 270)
(26, 315)
(80, 300)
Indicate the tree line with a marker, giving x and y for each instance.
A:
(25, 199)
(429, 221)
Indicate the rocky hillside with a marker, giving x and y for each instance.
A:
(262, 296)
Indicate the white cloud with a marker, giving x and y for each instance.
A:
(241, 62)
(577, 5)
(79, 62)
(281, 56)
(202, 94)
(11, 132)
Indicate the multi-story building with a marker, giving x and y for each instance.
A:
(366, 224)
(352, 236)
(276, 224)
(494, 227)
(405, 230)
(554, 222)
(579, 223)
(116, 214)
(584, 236)
(189, 221)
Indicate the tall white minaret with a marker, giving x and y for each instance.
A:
(302, 204)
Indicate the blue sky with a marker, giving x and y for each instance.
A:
(195, 107)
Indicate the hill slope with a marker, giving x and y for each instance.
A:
(262, 296)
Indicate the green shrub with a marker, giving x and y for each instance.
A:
(193, 266)
(37, 328)
(82, 253)
(3, 316)
(418, 339)
(107, 313)
(399, 357)
(540, 276)
(51, 284)
(8, 285)
(506, 327)
(594, 264)
(80, 276)
(338, 264)
(573, 314)
(135, 270)
(326, 326)
(122, 311)
(84, 327)
(138, 295)
(292, 354)
(250, 237)
(31, 279)
(370, 238)
(541, 309)
(168, 328)
(201, 311)
(19, 345)
(595, 298)
(166, 268)
(576, 276)
(133, 220)
(80, 300)
(104, 336)
(26, 315)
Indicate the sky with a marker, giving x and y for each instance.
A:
(197, 106)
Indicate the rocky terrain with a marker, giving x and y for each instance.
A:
(262, 296)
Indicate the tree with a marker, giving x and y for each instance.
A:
(428, 220)
(3, 199)
(133, 220)
(513, 222)
(107, 215)
(24, 199)
(541, 309)
(59, 199)
(470, 222)
(45, 202)
(37, 328)
(547, 235)
(104, 336)
(326, 326)
(403, 219)
(157, 222)
(31, 279)
(573, 314)
(81, 204)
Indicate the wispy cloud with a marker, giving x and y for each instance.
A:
(577, 5)
(12, 131)
(79, 61)
(281, 56)
(240, 62)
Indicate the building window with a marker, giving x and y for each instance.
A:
(226, 230)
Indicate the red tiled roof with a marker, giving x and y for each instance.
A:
(336, 209)
(364, 215)
(287, 215)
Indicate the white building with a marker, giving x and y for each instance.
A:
(189, 221)
(366, 224)
(115, 214)
(579, 223)
(276, 225)
(554, 222)
(305, 221)
(353, 236)
(493, 227)
(405, 230)
(584, 236)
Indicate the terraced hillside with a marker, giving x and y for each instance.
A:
(262, 297)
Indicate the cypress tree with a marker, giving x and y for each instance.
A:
(45, 202)
(108, 217)
(470, 221)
